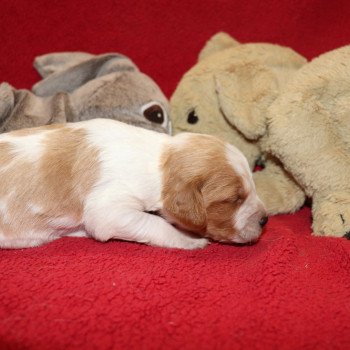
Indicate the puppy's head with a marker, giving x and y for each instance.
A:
(208, 189)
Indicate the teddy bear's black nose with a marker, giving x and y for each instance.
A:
(263, 221)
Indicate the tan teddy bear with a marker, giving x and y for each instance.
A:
(248, 77)
(306, 126)
(308, 129)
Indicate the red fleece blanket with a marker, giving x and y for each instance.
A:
(289, 291)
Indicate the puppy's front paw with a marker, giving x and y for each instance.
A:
(198, 243)
(192, 243)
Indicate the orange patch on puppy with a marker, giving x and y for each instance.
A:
(206, 191)
(36, 130)
(67, 173)
(5, 154)
(34, 193)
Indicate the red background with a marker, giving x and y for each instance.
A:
(289, 291)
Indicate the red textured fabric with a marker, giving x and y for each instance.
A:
(289, 291)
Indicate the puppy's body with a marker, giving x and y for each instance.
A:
(101, 178)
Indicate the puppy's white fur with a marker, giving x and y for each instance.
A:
(117, 205)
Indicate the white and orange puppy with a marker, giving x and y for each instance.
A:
(105, 179)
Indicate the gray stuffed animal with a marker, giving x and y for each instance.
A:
(79, 86)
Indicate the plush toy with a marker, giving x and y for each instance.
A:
(308, 129)
(302, 129)
(240, 79)
(79, 86)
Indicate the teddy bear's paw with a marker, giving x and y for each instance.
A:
(7, 100)
(331, 217)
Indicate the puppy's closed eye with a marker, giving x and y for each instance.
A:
(237, 200)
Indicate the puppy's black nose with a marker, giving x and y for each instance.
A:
(263, 221)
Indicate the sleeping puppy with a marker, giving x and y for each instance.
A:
(106, 179)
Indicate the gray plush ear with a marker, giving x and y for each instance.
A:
(67, 80)
(244, 93)
(59, 61)
(216, 43)
(7, 101)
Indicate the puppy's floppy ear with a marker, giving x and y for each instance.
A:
(182, 197)
(244, 93)
(69, 77)
(184, 203)
(218, 42)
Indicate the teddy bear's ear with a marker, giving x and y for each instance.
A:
(216, 43)
(244, 93)
(71, 72)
